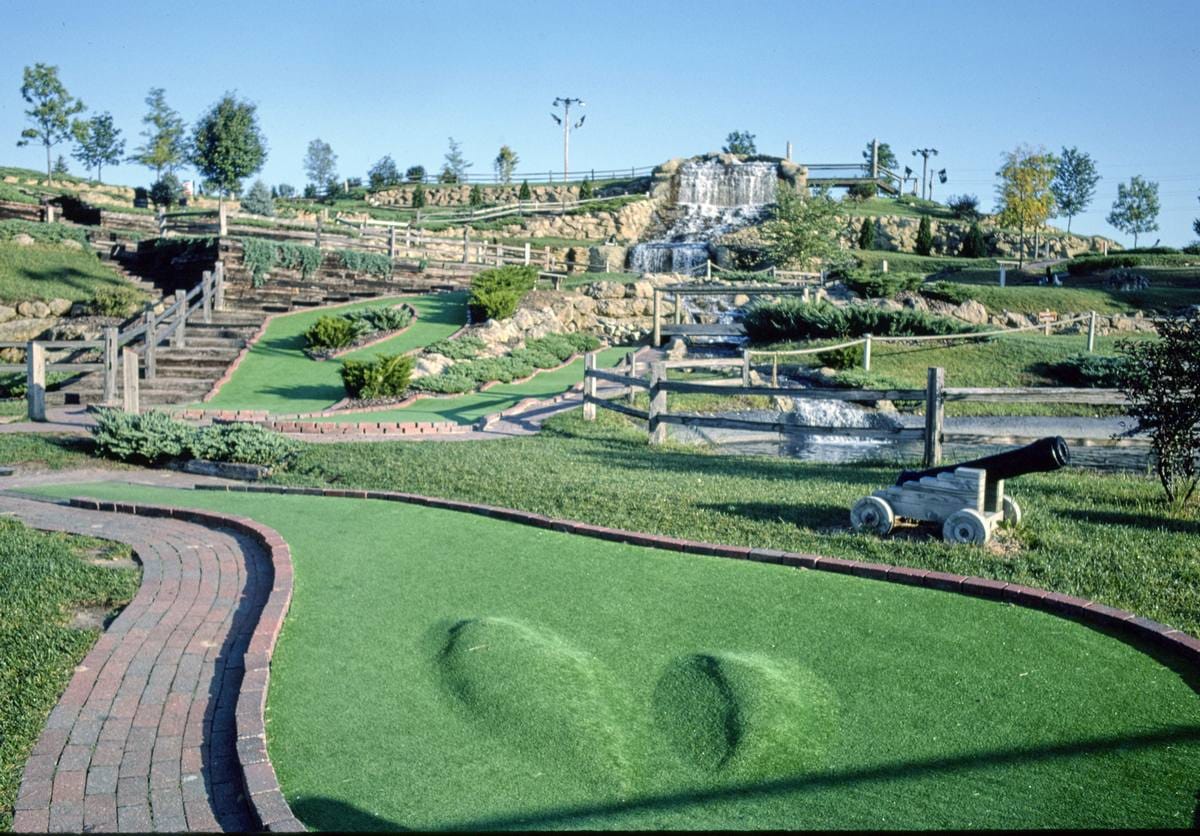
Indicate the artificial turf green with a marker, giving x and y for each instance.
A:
(276, 375)
(465, 409)
(445, 670)
(43, 578)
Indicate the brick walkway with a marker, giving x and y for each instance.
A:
(144, 737)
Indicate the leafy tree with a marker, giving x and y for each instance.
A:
(1136, 208)
(475, 196)
(1074, 183)
(965, 207)
(524, 193)
(866, 234)
(974, 245)
(803, 228)
(60, 165)
(740, 142)
(415, 174)
(258, 200)
(283, 190)
(924, 245)
(310, 191)
(166, 191)
(454, 169)
(98, 143)
(586, 190)
(1023, 194)
(51, 112)
(505, 164)
(1161, 379)
(418, 197)
(227, 144)
(887, 157)
(862, 191)
(165, 133)
(320, 163)
(383, 174)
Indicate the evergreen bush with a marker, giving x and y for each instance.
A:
(524, 193)
(387, 375)
(791, 319)
(974, 245)
(496, 293)
(924, 244)
(258, 200)
(866, 234)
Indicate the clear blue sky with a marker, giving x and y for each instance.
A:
(661, 79)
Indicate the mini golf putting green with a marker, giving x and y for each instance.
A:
(448, 670)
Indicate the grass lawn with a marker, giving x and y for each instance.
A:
(52, 272)
(277, 375)
(1170, 288)
(875, 207)
(466, 409)
(44, 580)
(511, 677)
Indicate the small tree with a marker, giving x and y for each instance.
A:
(804, 227)
(166, 191)
(1074, 183)
(524, 193)
(60, 166)
(586, 190)
(258, 200)
(166, 144)
(1161, 379)
(505, 164)
(965, 207)
(974, 245)
(475, 196)
(285, 191)
(51, 112)
(887, 157)
(98, 143)
(320, 164)
(862, 191)
(227, 145)
(866, 234)
(454, 170)
(924, 245)
(415, 174)
(1136, 208)
(1023, 193)
(384, 174)
(418, 197)
(740, 142)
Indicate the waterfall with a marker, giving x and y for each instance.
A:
(714, 198)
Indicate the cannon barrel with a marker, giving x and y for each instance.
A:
(1043, 455)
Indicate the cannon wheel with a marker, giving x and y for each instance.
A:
(1012, 511)
(966, 526)
(872, 514)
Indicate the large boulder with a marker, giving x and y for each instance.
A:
(430, 364)
(20, 330)
(34, 309)
(971, 311)
(22, 239)
(7, 313)
(59, 307)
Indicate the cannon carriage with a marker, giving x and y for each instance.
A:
(967, 499)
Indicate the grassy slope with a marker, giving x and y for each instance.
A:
(49, 272)
(514, 677)
(464, 409)
(276, 375)
(42, 580)
(1170, 288)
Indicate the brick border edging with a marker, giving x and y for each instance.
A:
(1089, 612)
(258, 774)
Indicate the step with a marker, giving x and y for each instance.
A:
(231, 344)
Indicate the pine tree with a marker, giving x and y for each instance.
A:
(524, 192)
(924, 237)
(418, 197)
(258, 201)
(475, 196)
(974, 245)
(866, 234)
(586, 191)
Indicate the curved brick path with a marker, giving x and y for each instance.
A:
(144, 737)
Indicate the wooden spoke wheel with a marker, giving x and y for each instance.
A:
(872, 514)
(966, 526)
(1012, 511)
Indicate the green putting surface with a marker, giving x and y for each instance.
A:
(276, 375)
(448, 670)
(464, 409)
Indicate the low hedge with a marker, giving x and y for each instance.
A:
(334, 332)
(466, 347)
(542, 353)
(1084, 264)
(792, 319)
(156, 438)
(1100, 371)
(496, 293)
(878, 285)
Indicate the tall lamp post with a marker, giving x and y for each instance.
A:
(565, 120)
(925, 153)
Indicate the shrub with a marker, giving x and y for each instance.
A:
(955, 294)
(1161, 379)
(446, 383)
(330, 332)
(115, 301)
(496, 293)
(260, 256)
(586, 190)
(924, 244)
(842, 358)
(881, 285)
(166, 192)
(1083, 264)
(475, 196)
(463, 348)
(791, 319)
(387, 375)
(151, 439)
(866, 234)
(524, 193)
(381, 319)
(243, 443)
(965, 207)
(1102, 371)
(974, 245)
(418, 195)
(862, 191)
(16, 385)
(374, 264)
(415, 173)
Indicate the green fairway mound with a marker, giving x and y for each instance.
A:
(534, 691)
(744, 715)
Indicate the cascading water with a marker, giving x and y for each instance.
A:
(714, 198)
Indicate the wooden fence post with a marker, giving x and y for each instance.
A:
(527, 253)
(745, 367)
(775, 370)
(35, 380)
(677, 301)
(658, 403)
(934, 416)
(317, 244)
(110, 365)
(407, 239)
(219, 286)
(866, 352)
(1091, 342)
(392, 243)
(222, 220)
(589, 386)
(129, 374)
(49, 207)
(708, 268)
(206, 281)
(151, 345)
(466, 247)
(631, 371)
(178, 339)
(547, 256)
(657, 318)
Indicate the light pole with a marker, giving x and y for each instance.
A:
(941, 175)
(925, 153)
(565, 121)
